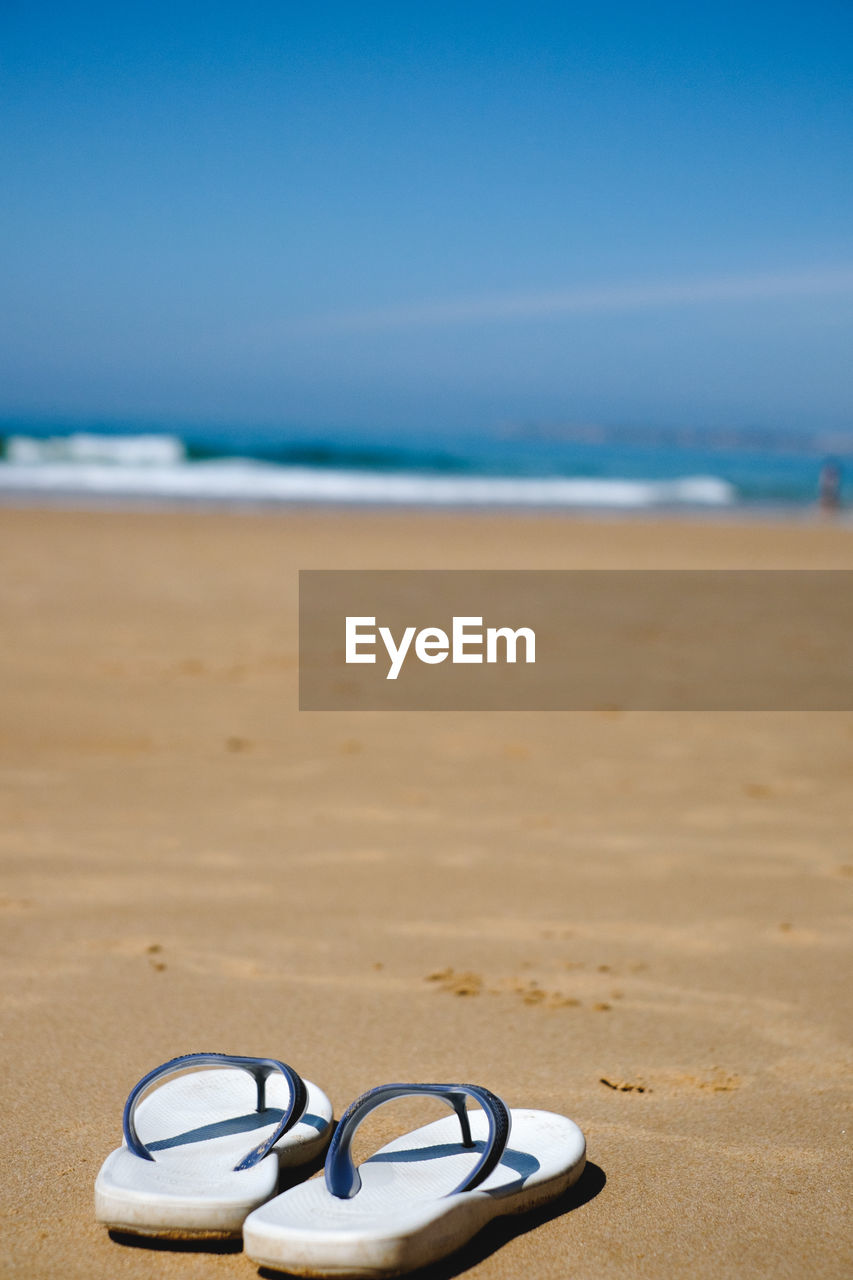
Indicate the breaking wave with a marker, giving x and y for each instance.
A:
(158, 467)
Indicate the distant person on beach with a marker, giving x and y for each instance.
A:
(829, 486)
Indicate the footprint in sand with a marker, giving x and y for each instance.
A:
(527, 990)
(530, 992)
(624, 1086)
(457, 984)
(712, 1080)
(705, 1080)
(715, 1081)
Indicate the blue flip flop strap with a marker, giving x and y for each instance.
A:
(260, 1068)
(342, 1177)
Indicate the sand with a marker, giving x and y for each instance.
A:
(641, 920)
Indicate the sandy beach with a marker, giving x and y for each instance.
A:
(639, 920)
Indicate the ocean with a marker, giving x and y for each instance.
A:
(518, 466)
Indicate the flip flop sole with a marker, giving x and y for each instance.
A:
(402, 1217)
(198, 1127)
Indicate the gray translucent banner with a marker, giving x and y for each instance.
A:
(665, 640)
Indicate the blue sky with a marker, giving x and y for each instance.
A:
(428, 217)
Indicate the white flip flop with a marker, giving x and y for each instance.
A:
(183, 1170)
(423, 1195)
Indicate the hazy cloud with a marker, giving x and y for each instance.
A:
(601, 299)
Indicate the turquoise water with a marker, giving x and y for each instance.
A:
(524, 467)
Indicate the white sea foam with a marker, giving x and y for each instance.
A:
(247, 481)
(83, 447)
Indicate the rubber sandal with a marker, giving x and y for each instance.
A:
(423, 1195)
(183, 1170)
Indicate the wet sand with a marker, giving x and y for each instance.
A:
(641, 920)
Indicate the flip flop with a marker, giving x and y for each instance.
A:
(423, 1195)
(183, 1170)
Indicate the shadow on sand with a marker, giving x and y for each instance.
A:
(160, 1244)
